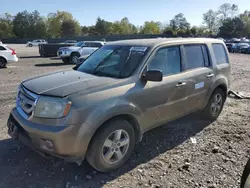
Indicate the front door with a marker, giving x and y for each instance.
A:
(169, 95)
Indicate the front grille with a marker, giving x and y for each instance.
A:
(26, 102)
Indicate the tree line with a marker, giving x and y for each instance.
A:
(224, 22)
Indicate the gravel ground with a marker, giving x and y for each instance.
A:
(166, 157)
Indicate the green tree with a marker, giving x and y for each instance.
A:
(70, 28)
(54, 23)
(6, 26)
(169, 31)
(210, 19)
(150, 28)
(245, 18)
(194, 31)
(29, 25)
(103, 27)
(179, 22)
(228, 10)
(84, 30)
(231, 28)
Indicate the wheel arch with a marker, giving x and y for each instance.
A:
(220, 83)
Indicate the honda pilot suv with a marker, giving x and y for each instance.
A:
(101, 109)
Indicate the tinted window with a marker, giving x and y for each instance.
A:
(2, 48)
(167, 60)
(220, 54)
(93, 44)
(206, 56)
(194, 55)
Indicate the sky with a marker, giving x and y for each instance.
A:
(137, 11)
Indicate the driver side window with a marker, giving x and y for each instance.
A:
(167, 60)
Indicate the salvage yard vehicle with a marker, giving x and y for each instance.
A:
(35, 42)
(7, 55)
(101, 109)
(71, 54)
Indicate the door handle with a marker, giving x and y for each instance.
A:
(210, 75)
(181, 84)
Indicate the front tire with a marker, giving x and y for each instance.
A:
(30, 45)
(111, 146)
(3, 63)
(73, 59)
(215, 105)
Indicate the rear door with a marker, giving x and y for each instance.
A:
(222, 61)
(199, 74)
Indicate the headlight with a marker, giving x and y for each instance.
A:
(49, 107)
(66, 51)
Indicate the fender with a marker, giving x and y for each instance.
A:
(100, 115)
(220, 81)
(1, 56)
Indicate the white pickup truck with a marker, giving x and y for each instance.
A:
(71, 54)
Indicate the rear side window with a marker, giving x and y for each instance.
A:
(196, 56)
(93, 44)
(220, 54)
(2, 48)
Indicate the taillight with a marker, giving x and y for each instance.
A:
(13, 51)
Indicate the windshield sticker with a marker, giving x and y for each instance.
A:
(138, 49)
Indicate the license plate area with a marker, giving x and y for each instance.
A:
(12, 129)
(15, 129)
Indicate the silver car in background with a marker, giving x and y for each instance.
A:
(71, 54)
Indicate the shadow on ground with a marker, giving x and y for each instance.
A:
(50, 64)
(29, 57)
(20, 165)
(55, 58)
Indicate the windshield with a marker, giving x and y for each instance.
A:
(113, 61)
(79, 44)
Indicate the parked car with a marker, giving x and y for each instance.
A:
(69, 42)
(102, 108)
(71, 54)
(237, 47)
(230, 47)
(245, 49)
(7, 55)
(35, 42)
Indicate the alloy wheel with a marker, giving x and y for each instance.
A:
(115, 146)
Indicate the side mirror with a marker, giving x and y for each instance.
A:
(76, 67)
(152, 75)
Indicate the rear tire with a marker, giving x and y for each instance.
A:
(109, 151)
(3, 62)
(30, 45)
(215, 105)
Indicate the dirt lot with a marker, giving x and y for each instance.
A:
(166, 157)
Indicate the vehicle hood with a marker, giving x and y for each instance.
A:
(64, 83)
